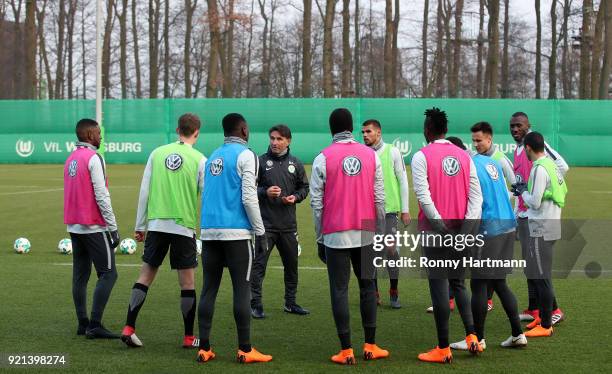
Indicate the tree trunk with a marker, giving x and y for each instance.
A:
(604, 86)
(40, 17)
(136, 52)
(505, 83)
(388, 46)
(565, 77)
(346, 50)
(306, 50)
(598, 40)
(228, 71)
(480, 53)
(123, 47)
(166, 48)
(189, 10)
(106, 49)
(424, 52)
(395, 50)
(328, 62)
(493, 55)
(153, 48)
(552, 62)
(454, 91)
(265, 53)
(357, 52)
(59, 68)
(585, 50)
(538, 67)
(30, 51)
(215, 44)
(83, 52)
(448, 56)
(250, 51)
(439, 52)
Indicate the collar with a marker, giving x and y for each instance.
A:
(490, 151)
(183, 143)
(378, 145)
(440, 141)
(234, 139)
(281, 156)
(343, 137)
(86, 145)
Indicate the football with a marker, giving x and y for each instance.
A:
(22, 245)
(65, 246)
(127, 246)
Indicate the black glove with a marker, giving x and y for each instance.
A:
(115, 239)
(518, 188)
(321, 252)
(261, 244)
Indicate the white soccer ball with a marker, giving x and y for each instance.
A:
(127, 246)
(199, 247)
(65, 246)
(22, 245)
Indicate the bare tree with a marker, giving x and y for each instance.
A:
(565, 76)
(505, 67)
(357, 51)
(122, 16)
(389, 74)
(307, 49)
(424, 52)
(493, 53)
(585, 50)
(106, 49)
(153, 21)
(438, 59)
(228, 55)
(538, 66)
(395, 50)
(29, 91)
(480, 52)
(604, 86)
(346, 50)
(136, 51)
(59, 67)
(598, 40)
(552, 62)
(215, 45)
(166, 35)
(40, 17)
(189, 10)
(328, 62)
(265, 59)
(454, 88)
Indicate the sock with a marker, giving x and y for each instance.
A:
(393, 287)
(555, 306)
(246, 348)
(205, 344)
(139, 294)
(94, 324)
(188, 307)
(345, 340)
(83, 321)
(370, 335)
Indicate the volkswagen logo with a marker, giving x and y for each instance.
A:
(492, 170)
(351, 166)
(451, 166)
(24, 148)
(519, 178)
(174, 162)
(72, 168)
(216, 166)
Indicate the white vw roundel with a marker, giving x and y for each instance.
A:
(174, 162)
(216, 166)
(519, 178)
(72, 168)
(492, 170)
(451, 166)
(351, 166)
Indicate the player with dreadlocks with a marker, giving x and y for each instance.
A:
(447, 189)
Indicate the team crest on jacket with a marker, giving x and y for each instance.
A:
(450, 166)
(216, 166)
(492, 170)
(291, 169)
(174, 162)
(72, 168)
(351, 166)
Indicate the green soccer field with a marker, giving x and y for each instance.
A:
(37, 314)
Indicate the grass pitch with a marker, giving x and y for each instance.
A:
(37, 314)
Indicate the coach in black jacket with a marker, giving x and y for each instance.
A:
(282, 184)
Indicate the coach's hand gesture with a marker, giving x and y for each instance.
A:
(274, 191)
(288, 200)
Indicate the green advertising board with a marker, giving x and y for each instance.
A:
(43, 131)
